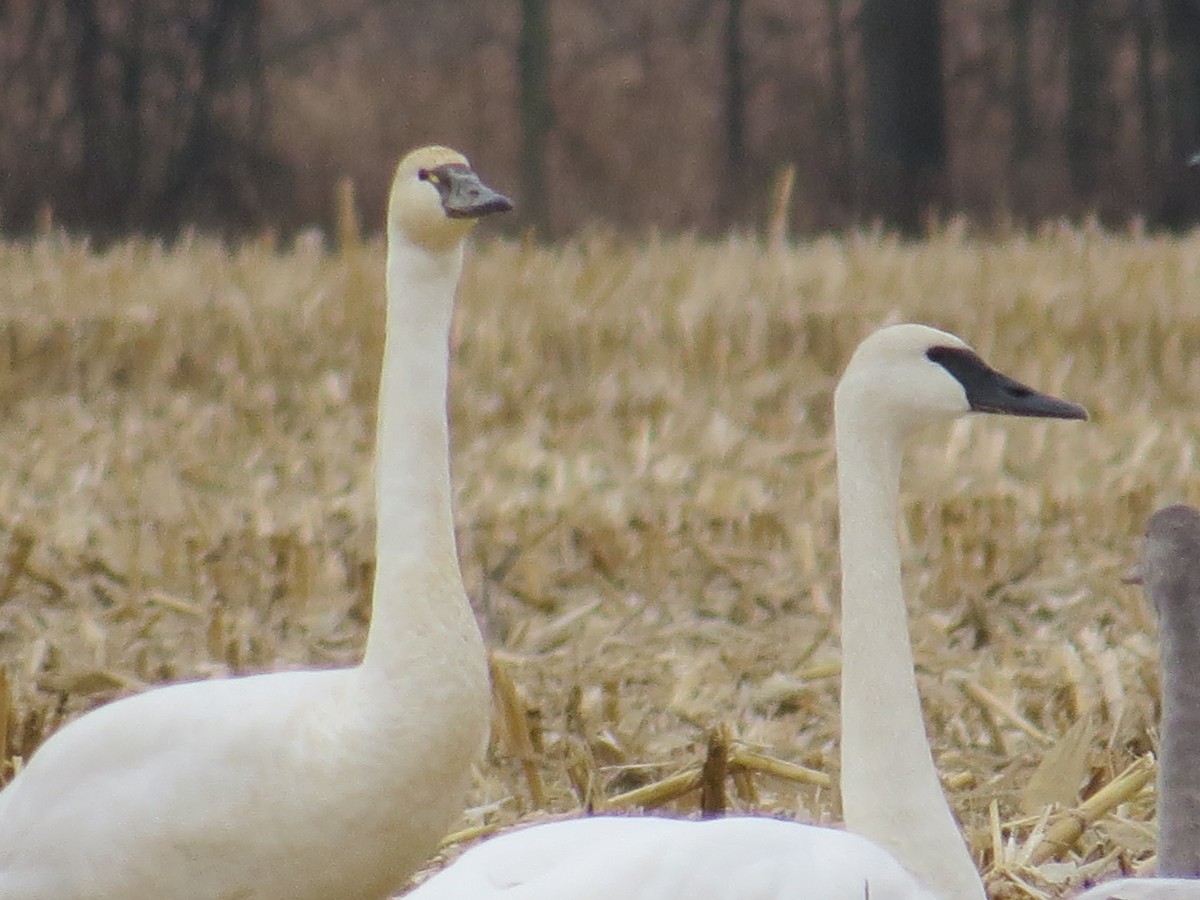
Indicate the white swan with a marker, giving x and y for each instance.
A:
(1144, 889)
(899, 379)
(301, 785)
(1170, 571)
(654, 858)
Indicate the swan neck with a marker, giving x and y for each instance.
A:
(418, 593)
(890, 788)
(1179, 765)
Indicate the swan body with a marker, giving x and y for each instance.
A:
(299, 785)
(1144, 889)
(898, 379)
(654, 858)
(1170, 571)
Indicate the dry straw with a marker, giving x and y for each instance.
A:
(645, 504)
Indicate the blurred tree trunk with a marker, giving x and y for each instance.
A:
(1144, 29)
(88, 105)
(128, 139)
(839, 104)
(735, 86)
(736, 181)
(1182, 33)
(906, 123)
(110, 70)
(1024, 138)
(147, 116)
(211, 168)
(1178, 30)
(1085, 82)
(1021, 91)
(536, 111)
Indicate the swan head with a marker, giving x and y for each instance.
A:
(436, 198)
(910, 375)
(1170, 563)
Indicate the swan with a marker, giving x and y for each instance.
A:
(306, 784)
(656, 858)
(1170, 571)
(899, 822)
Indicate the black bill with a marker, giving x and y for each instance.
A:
(989, 391)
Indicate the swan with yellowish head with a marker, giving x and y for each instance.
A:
(327, 784)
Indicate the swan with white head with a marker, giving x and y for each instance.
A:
(300, 785)
(1170, 571)
(906, 845)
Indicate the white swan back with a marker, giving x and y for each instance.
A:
(653, 858)
(1144, 889)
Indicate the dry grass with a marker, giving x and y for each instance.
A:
(645, 502)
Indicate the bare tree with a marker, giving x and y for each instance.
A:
(1181, 19)
(149, 115)
(735, 86)
(839, 106)
(1087, 64)
(1024, 136)
(906, 125)
(1147, 42)
(158, 105)
(536, 110)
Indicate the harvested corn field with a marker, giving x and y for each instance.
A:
(646, 508)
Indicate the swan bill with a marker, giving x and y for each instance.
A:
(463, 193)
(989, 391)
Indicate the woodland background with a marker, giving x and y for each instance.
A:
(642, 452)
(148, 116)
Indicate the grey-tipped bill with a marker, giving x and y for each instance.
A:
(989, 391)
(464, 195)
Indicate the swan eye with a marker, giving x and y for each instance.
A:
(432, 177)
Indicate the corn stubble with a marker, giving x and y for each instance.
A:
(645, 501)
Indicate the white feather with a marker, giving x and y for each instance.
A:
(890, 787)
(651, 858)
(306, 785)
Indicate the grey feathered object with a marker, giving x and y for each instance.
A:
(1170, 572)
